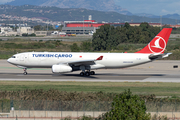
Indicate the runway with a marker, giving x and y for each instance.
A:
(157, 71)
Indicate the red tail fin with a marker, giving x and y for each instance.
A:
(158, 44)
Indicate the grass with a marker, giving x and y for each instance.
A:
(159, 89)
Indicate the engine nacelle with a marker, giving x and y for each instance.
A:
(61, 68)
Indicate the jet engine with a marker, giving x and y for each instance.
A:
(61, 68)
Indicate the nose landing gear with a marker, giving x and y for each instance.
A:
(25, 72)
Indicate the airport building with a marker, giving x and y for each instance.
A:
(41, 33)
(88, 26)
(79, 30)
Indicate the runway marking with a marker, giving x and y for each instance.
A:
(21, 75)
(21, 68)
(67, 80)
(9, 68)
(175, 80)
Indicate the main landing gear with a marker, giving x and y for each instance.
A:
(25, 72)
(87, 73)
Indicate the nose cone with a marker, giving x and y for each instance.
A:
(9, 60)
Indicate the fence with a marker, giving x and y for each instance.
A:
(45, 105)
(163, 106)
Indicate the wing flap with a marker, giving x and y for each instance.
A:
(82, 62)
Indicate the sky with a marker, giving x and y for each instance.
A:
(5, 1)
(155, 7)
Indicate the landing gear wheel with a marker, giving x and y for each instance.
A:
(92, 73)
(82, 74)
(87, 73)
(25, 73)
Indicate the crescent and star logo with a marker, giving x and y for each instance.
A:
(158, 45)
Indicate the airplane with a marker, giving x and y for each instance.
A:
(64, 62)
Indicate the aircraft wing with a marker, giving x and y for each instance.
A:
(84, 62)
(158, 56)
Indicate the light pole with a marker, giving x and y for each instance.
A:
(83, 25)
(47, 27)
(161, 21)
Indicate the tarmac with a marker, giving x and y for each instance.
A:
(156, 71)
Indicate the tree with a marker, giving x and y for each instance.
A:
(102, 38)
(127, 25)
(60, 27)
(127, 106)
(144, 26)
(37, 28)
(105, 38)
(110, 37)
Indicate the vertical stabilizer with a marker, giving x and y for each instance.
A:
(158, 43)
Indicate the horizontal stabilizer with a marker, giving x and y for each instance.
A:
(158, 56)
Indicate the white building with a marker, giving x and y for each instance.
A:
(7, 31)
(27, 30)
(4, 30)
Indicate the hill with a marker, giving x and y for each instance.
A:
(74, 14)
(100, 5)
(171, 16)
(26, 2)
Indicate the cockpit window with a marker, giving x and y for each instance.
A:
(13, 57)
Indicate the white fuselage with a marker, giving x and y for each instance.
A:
(48, 59)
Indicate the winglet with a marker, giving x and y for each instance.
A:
(100, 58)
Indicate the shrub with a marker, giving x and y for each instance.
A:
(86, 118)
(24, 34)
(86, 46)
(75, 48)
(156, 117)
(126, 106)
(33, 34)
